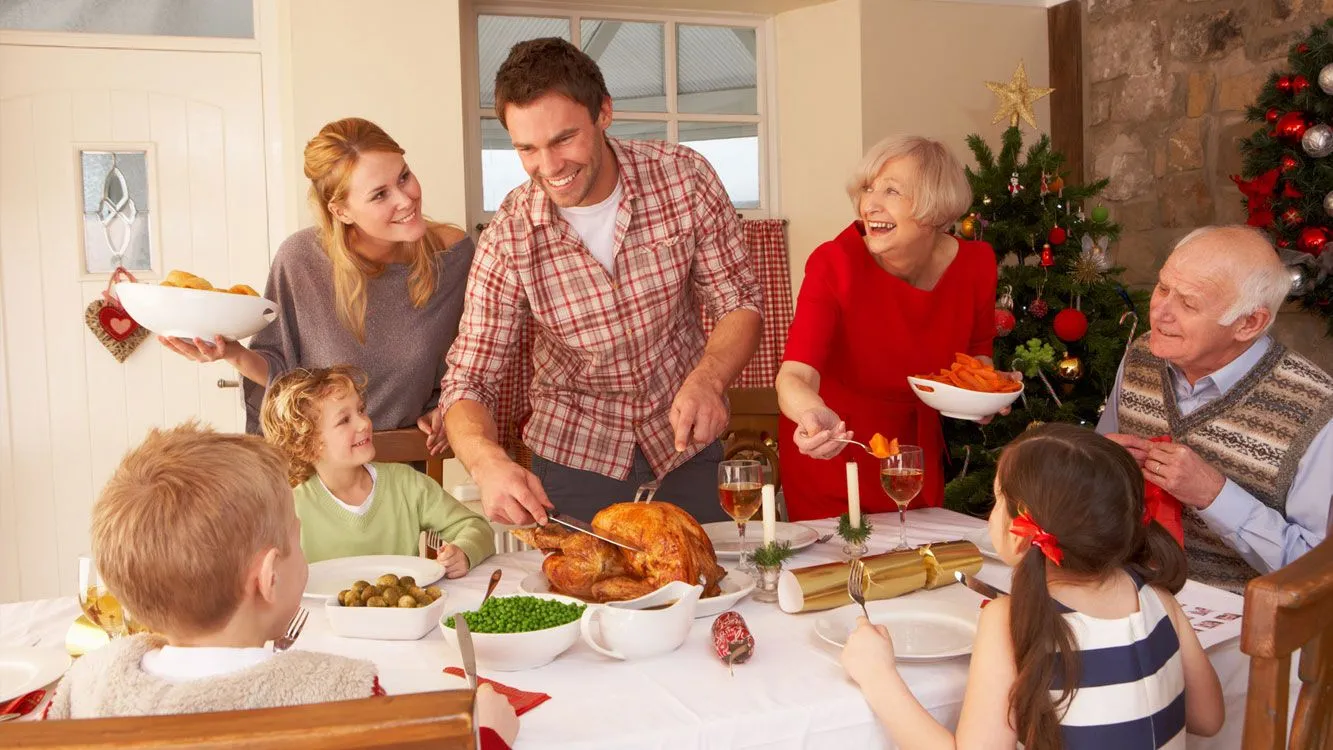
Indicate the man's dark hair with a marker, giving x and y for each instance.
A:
(540, 66)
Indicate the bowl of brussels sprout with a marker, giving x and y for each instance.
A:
(514, 633)
(390, 608)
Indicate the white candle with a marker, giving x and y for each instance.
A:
(853, 495)
(770, 515)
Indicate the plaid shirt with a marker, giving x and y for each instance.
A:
(611, 350)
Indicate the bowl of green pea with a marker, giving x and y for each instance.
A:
(514, 633)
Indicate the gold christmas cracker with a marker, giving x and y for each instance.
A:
(821, 587)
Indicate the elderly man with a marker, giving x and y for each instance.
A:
(1251, 446)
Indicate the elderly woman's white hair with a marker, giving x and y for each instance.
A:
(938, 187)
(1261, 279)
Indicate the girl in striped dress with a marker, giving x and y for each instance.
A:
(1091, 650)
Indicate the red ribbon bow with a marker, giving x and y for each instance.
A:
(1162, 506)
(1025, 526)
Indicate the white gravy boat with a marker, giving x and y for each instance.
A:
(651, 625)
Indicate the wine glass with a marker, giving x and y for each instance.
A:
(100, 605)
(902, 475)
(740, 489)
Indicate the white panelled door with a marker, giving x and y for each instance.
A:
(68, 410)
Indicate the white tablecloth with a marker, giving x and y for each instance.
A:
(791, 694)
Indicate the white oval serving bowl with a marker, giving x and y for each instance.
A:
(960, 403)
(195, 313)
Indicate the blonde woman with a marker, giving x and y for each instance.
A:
(374, 285)
(893, 295)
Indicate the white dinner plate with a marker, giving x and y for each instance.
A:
(735, 586)
(23, 670)
(725, 542)
(981, 538)
(923, 628)
(328, 577)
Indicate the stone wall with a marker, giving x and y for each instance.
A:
(1168, 84)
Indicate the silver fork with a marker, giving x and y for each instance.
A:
(434, 542)
(294, 629)
(647, 491)
(824, 538)
(855, 578)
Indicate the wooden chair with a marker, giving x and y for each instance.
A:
(408, 445)
(419, 720)
(1286, 610)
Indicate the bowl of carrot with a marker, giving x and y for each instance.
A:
(968, 389)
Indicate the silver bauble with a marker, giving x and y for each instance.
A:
(1302, 281)
(1328, 203)
(1318, 141)
(1326, 79)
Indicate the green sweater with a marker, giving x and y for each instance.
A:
(406, 503)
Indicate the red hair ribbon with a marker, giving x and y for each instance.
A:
(1025, 526)
(1162, 506)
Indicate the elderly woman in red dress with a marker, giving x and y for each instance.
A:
(893, 295)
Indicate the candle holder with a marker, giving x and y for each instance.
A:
(855, 537)
(768, 561)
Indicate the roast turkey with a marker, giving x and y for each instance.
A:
(675, 548)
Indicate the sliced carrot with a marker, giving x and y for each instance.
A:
(964, 359)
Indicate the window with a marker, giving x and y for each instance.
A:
(195, 18)
(677, 79)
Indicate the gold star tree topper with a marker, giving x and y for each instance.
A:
(1017, 98)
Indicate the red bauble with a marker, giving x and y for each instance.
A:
(1292, 216)
(1004, 321)
(1302, 48)
(1070, 325)
(1038, 308)
(1291, 126)
(1047, 256)
(1299, 84)
(1312, 239)
(1289, 162)
(1291, 191)
(1272, 114)
(1284, 84)
(1284, 242)
(1057, 236)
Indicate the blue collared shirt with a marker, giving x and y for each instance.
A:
(1266, 538)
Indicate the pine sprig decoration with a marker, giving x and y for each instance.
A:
(851, 535)
(1305, 185)
(771, 555)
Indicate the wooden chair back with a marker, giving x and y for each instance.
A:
(418, 720)
(753, 430)
(408, 445)
(1287, 610)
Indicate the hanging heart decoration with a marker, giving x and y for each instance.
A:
(111, 324)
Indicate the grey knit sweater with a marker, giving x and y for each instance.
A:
(109, 682)
(404, 351)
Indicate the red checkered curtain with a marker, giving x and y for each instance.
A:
(767, 241)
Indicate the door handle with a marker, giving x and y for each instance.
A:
(223, 383)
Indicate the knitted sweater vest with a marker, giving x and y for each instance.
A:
(1255, 435)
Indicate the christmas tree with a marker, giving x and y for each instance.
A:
(1288, 185)
(1062, 315)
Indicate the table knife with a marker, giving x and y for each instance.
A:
(465, 650)
(979, 586)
